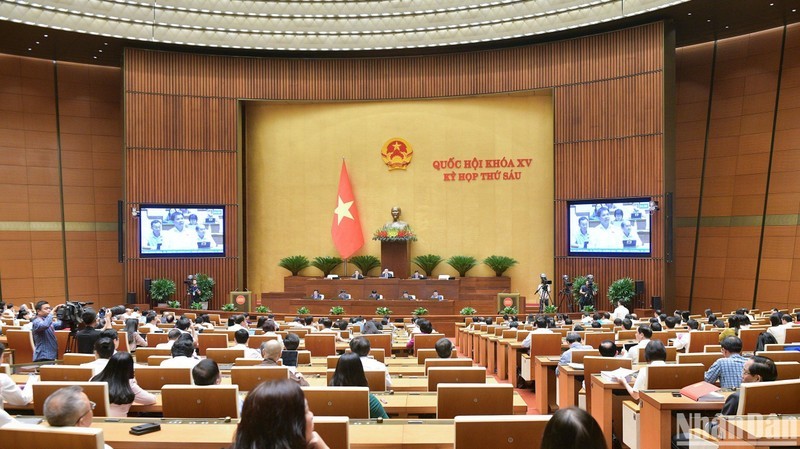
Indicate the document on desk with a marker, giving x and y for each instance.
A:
(703, 392)
(619, 373)
(574, 365)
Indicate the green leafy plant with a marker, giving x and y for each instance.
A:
(509, 311)
(196, 306)
(588, 309)
(326, 264)
(467, 311)
(462, 264)
(621, 291)
(550, 309)
(229, 307)
(162, 289)
(263, 309)
(303, 311)
(295, 264)
(577, 283)
(206, 285)
(174, 304)
(365, 263)
(383, 311)
(427, 262)
(499, 264)
(337, 310)
(420, 311)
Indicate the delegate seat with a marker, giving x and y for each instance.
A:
(209, 401)
(352, 402)
(769, 397)
(142, 354)
(96, 391)
(248, 377)
(457, 374)
(321, 344)
(426, 341)
(155, 377)
(706, 358)
(452, 362)
(60, 437)
(674, 376)
(511, 431)
(22, 344)
(74, 358)
(224, 355)
(474, 399)
(64, 373)
(212, 340)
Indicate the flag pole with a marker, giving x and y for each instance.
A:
(345, 260)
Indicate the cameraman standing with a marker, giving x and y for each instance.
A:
(44, 335)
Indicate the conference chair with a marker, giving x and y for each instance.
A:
(380, 341)
(155, 377)
(22, 344)
(749, 339)
(510, 431)
(321, 344)
(706, 358)
(249, 377)
(626, 334)
(191, 401)
(241, 361)
(594, 339)
(712, 348)
(142, 354)
(426, 341)
(123, 342)
(191, 315)
(474, 399)
(304, 357)
(781, 356)
(64, 373)
(541, 345)
(352, 402)
(578, 355)
(425, 354)
(60, 437)
(793, 334)
(674, 377)
(224, 355)
(300, 332)
(672, 354)
(255, 341)
(212, 340)
(215, 319)
(453, 375)
(788, 370)
(5, 368)
(661, 336)
(74, 358)
(699, 339)
(96, 391)
(764, 398)
(593, 365)
(156, 338)
(331, 361)
(334, 430)
(376, 380)
(452, 362)
(156, 360)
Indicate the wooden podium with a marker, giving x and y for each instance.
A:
(241, 300)
(396, 256)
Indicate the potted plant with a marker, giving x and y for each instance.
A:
(588, 309)
(621, 291)
(427, 262)
(173, 304)
(262, 309)
(161, 290)
(337, 310)
(499, 264)
(196, 306)
(550, 309)
(206, 285)
(229, 307)
(303, 311)
(467, 311)
(420, 311)
(509, 311)
(295, 264)
(383, 311)
(326, 264)
(462, 264)
(365, 263)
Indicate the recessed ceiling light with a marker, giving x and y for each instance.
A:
(30, 49)
(37, 42)
(772, 4)
(708, 20)
(105, 43)
(689, 14)
(100, 51)
(794, 10)
(726, 27)
(45, 35)
(94, 57)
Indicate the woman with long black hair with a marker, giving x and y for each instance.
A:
(350, 373)
(122, 387)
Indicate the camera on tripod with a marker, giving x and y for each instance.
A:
(545, 281)
(71, 313)
(566, 280)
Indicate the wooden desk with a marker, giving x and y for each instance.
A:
(514, 351)
(502, 358)
(545, 367)
(479, 343)
(607, 400)
(570, 382)
(759, 432)
(658, 415)
(491, 353)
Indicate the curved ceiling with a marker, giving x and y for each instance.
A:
(322, 25)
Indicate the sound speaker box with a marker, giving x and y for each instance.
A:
(655, 302)
(639, 287)
(131, 298)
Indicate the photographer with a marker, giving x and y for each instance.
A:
(44, 328)
(587, 292)
(87, 336)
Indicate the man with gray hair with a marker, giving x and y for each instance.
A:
(271, 350)
(574, 341)
(69, 407)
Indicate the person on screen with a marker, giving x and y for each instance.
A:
(180, 236)
(192, 220)
(604, 235)
(618, 215)
(156, 239)
(204, 239)
(629, 238)
(582, 239)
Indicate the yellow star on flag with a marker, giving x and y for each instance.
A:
(343, 210)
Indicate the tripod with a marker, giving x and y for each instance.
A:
(565, 295)
(544, 297)
(72, 342)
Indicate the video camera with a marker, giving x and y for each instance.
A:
(545, 281)
(567, 283)
(71, 313)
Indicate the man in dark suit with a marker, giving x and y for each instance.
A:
(416, 275)
(358, 275)
(316, 295)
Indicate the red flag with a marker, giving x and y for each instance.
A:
(346, 228)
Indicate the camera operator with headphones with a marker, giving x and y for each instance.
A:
(544, 292)
(587, 292)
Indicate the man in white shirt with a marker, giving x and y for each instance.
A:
(10, 392)
(777, 329)
(643, 335)
(682, 339)
(655, 354)
(241, 337)
(361, 346)
(604, 235)
(182, 355)
(172, 336)
(541, 328)
(69, 407)
(237, 323)
(620, 312)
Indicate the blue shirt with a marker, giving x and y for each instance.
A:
(727, 370)
(566, 357)
(44, 338)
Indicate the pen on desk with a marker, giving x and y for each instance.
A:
(382, 401)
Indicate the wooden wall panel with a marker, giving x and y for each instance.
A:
(608, 89)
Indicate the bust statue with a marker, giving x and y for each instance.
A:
(396, 223)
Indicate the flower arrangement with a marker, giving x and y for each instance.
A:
(230, 307)
(303, 311)
(467, 311)
(390, 234)
(337, 310)
(383, 311)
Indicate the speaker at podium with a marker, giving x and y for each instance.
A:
(241, 299)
